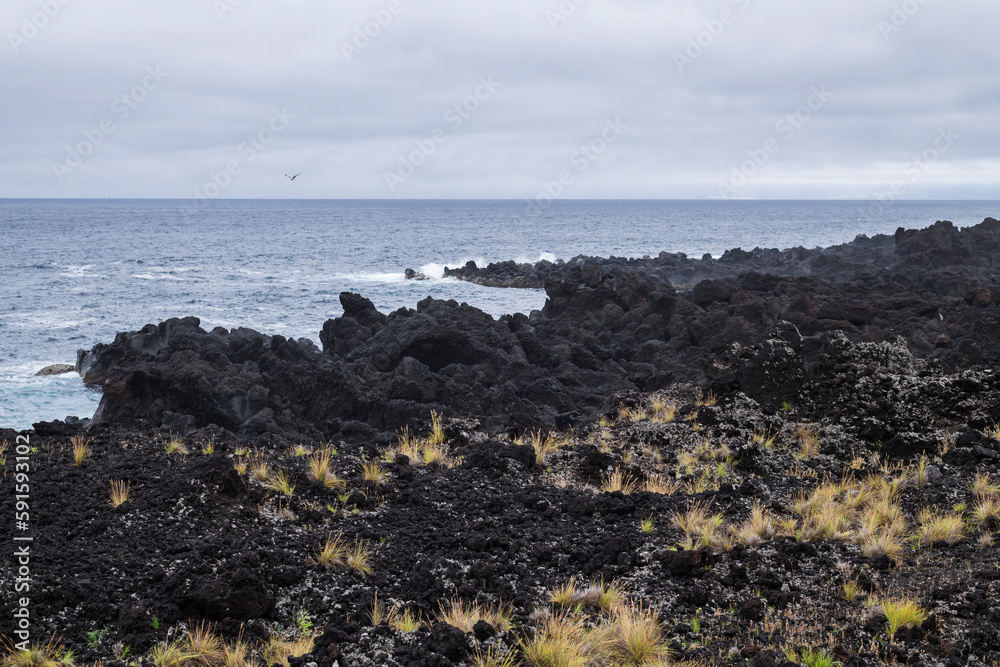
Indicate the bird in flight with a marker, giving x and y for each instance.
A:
(292, 178)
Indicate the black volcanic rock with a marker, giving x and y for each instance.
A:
(607, 326)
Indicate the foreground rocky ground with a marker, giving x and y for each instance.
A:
(634, 476)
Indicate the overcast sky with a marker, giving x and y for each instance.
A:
(500, 98)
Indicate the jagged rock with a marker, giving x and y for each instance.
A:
(56, 369)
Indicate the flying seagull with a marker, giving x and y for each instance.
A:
(292, 178)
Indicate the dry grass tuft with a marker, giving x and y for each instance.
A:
(545, 444)
(278, 649)
(121, 491)
(406, 622)
(636, 638)
(319, 470)
(332, 553)
(372, 471)
(494, 657)
(660, 485)
(167, 654)
(937, 527)
(202, 647)
(808, 441)
(49, 654)
(281, 482)
(565, 594)
(81, 449)
(983, 486)
(358, 558)
(619, 481)
(902, 613)
(176, 446)
(437, 437)
(758, 528)
(559, 641)
(464, 615)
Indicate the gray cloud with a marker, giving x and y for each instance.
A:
(898, 73)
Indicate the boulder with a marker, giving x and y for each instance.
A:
(56, 369)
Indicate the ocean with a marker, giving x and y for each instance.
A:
(75, 272)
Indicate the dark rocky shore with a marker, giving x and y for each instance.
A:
(760, 455)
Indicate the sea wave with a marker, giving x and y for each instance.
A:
(162, 276)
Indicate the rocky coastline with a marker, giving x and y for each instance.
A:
(761, 455)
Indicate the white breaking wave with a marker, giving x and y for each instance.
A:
(436, 271)
(146, 276)
(548, 256)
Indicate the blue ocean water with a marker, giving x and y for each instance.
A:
(75, 272)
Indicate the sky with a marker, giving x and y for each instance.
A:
(520, 99)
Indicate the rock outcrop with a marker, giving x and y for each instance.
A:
(601, 332)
